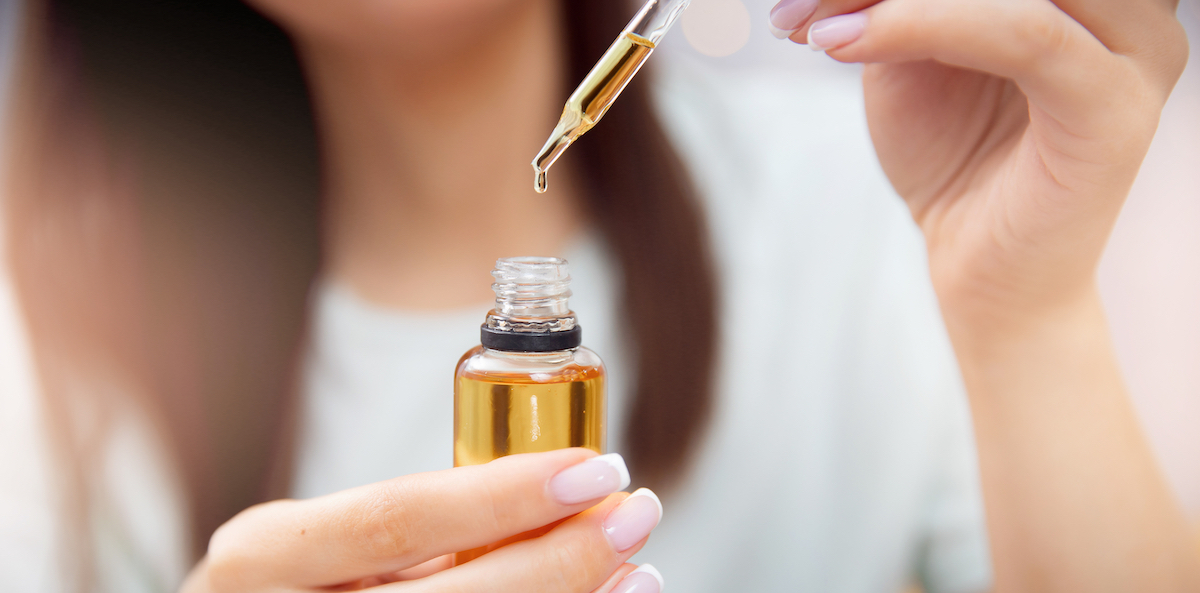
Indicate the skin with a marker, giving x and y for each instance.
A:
(413, 155)
(396, 535)
(1013, 129)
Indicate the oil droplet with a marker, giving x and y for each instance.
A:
(539, 182)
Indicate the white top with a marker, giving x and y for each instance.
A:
(840, 457)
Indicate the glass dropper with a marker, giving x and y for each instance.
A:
(601, 87)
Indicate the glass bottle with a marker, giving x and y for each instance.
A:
(530, 386)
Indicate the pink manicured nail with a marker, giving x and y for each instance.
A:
(646, 579)
(789, 16)
(835, 32)
(595, 478)
(633, 520)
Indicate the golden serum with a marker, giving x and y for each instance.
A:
(530, 386)
(604, 83)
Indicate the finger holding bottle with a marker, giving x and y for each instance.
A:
(560, 559)
(634, 579)
(580, 555)
(386, 528)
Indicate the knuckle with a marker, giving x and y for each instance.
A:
(1175, 51)
(500, 509)
(1130, 117)
(1041, 33)
(225, 573)
(579, 564)
(386, 523)
(233, 549)
(561, 568)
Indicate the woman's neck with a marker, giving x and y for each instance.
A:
(427, 160)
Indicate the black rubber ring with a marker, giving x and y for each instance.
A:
(530, 342)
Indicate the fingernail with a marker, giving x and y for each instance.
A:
(837, 31)
(633, 520)
(595, 478)
(789, 16)
(646, 579)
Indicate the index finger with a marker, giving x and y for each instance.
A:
(1128, 27)
(400, 523)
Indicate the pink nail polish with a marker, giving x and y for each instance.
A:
(835, 32)
(790, 15)
(595, 478)
(646, 579)
(633, 520)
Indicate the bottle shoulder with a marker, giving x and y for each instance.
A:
(578, 364)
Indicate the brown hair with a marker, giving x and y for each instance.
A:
(184, 275)
(640, 194)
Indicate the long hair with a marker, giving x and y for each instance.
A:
(164, 234)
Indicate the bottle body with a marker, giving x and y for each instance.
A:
(516, 402)
(530, 386)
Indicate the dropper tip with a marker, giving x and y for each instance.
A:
(539, 181)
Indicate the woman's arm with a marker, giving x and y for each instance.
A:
(1014, 129)
(1074, 499)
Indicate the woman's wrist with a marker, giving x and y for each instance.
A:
(989, 332)
(1069, 480)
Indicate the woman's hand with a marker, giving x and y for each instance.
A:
(397, 535)
(1014, 130)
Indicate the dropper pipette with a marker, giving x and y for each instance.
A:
(601, 87)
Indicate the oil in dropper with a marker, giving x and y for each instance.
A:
(601, 87)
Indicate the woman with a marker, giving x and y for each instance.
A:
(1012, 130)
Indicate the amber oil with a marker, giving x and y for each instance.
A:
(530, 386)
(592, 98)
(499, 413)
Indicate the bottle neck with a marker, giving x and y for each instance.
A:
(505, 323)
(531, 312)
(531, 296)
